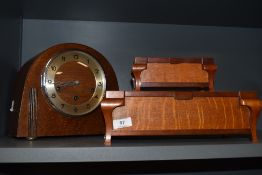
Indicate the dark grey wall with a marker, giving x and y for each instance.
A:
(9, 56)
(243, 13)
(237, 51)
(10, 25)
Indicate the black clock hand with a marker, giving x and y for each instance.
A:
(67, 83)
(60, 85)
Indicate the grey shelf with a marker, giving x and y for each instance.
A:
(91, 149)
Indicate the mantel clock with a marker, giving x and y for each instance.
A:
(58, 93)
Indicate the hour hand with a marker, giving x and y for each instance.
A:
(60, 85)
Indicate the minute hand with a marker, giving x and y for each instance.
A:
(67, 84)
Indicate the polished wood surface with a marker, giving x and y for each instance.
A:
(72, 71)
(166, 72)
(173, 72)
(255, 107)
(50, 122)
(167, 113)
(181, 113)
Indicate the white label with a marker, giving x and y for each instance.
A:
(122, 123)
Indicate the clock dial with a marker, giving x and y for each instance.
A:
(74, 83)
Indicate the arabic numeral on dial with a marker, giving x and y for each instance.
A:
(97, 71)
(76, 57)
(53, 96)
(53, 68)
(96, 97)
(100, 84)
(63, 58)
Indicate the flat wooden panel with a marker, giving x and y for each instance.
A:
(179, 94)
(166, 72)
(166, 113)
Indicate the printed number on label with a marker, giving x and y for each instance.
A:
(122, 123)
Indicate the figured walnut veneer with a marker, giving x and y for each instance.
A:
(181, 113)
(173, 73)
(49, 122)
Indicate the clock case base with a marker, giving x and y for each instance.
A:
(33, 117)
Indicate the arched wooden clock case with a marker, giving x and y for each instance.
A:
(33, 114)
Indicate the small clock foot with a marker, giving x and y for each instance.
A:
(30, 138)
